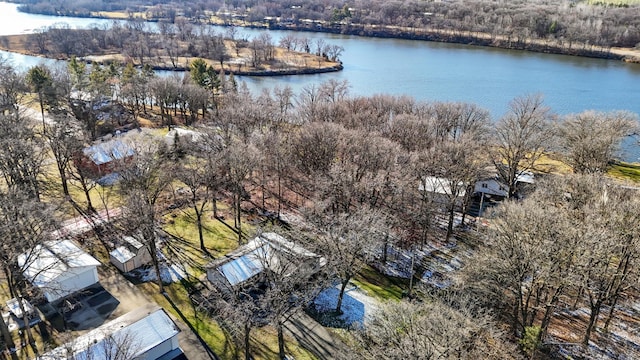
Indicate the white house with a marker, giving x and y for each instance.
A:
(186, 134)
(59, 268)
(266, 251)
(131, 255)
(146, 333)
(441, 186)
(493, 186)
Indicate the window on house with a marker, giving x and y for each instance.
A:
(484, 185)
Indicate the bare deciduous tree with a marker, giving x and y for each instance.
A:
(432, 330)
(25, 225)
(349, 240)
(590, 140)
(21, 155)
(521, 137)
(239, 162)
(143, 180)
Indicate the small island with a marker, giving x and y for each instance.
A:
(172, 48)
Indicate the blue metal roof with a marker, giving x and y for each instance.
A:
(107, 152)
(245, 267)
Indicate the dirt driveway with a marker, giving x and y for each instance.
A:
(130, 298)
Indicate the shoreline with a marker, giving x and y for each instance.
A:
(628, 55)
(15, 44)
(271, 72)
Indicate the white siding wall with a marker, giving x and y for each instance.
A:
(143, 257)
(491, 187)
(161, 349)
(75, 279)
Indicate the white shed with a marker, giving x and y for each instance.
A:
(146, 333)
(59, 268)
(266, 251)
(131, 255)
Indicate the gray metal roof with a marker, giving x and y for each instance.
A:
(108, 151)
(140, 330)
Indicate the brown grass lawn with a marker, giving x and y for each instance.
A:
(239, 61)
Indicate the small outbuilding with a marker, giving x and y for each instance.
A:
(146, 333)
(59, 268)
(266, 252)
(131, 255)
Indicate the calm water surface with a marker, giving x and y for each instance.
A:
(434, 71)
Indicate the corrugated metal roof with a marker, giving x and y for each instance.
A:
(259, 253)
(108, 151)
(245, 267)
(138, 333)
(48, 261)
(133, 242)
(122, 254)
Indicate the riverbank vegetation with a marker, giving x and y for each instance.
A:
(387, 189)
(580, 28)
(173, 48)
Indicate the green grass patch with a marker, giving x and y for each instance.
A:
(380, 286)
(219, 238)
(625, 171)
(264, 340)
(204, 325)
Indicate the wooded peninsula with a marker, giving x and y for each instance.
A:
(167, 50)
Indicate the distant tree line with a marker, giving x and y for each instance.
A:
(563, 23)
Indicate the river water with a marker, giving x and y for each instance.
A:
(434, 71)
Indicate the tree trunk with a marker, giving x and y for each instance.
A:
(63, 180)
(281, 340)
(42, 110)
(279, 194)
(611, 310)
(546, 319)
(7, 275)
(341, 295)
(411, 272)
(247, 338)
(450, 223)
(156, 262)
(8, 339)
(385, 251)
(27, 327)
(238, 220)
(85, 189)
(235, 209)
(593, 319)
(199, 223)
(263, 181)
